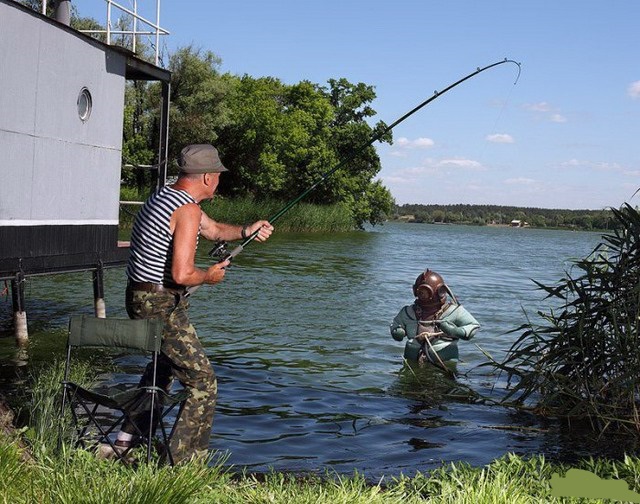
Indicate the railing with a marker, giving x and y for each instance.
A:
(153, 28)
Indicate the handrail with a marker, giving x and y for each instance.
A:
(157, 29)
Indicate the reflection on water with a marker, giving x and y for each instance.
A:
(309, 377)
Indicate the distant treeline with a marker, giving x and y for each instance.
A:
(482, 215)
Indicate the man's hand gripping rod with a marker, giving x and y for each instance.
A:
(221, 253)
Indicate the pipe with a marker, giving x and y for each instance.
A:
(62, 12)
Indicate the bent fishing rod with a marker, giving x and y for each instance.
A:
(220, 250)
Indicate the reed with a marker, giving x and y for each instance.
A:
(242, 210)
(42, 405)
(302, 217)
(582, 361)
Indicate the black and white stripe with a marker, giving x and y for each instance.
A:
(151, 239)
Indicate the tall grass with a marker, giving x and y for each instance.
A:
(583, 360)
(301, 217)
(42, 405)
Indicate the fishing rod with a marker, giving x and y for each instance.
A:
(220, 250)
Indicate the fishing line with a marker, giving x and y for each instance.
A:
(498, 119)
(220, 250)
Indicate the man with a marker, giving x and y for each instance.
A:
(161, 266)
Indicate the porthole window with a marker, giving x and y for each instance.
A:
(84, 104)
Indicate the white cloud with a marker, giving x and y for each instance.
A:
(431, 168)
(634, 90)
(545, 109)
(418, 143)
(600, 166)
(500, 138)
(423, 142)
(469, 164)
(608, 167)
(419, 170)
(519, 181)
(538, 107)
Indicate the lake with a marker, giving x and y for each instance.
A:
(309, 377)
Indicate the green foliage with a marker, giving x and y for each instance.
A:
(86, 23)
(583, 360)
(302, 217)
(15, 474)
(138, 131)
(496, 214)
(242, 210)
(199, 108)
(278, 140)
(373, 205)
(83, 478)
(42, 405)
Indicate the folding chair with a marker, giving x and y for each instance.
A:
(88, 406)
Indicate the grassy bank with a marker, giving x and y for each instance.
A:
(77, 476)
(302, 217)
(74, 475)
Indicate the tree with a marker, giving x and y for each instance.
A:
(351, 139)
(198, 98)
(138, 133)
(283, 139)
(276, 139)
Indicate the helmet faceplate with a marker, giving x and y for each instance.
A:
(429, 287)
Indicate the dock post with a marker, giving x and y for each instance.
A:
(98, 292)
(19, 314)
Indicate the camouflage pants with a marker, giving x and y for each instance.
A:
(183, 358)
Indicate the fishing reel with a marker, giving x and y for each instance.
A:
(220, 251)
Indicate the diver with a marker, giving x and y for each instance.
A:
(434, 322)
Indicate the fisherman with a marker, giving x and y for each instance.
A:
(161, 266)
(434, 322)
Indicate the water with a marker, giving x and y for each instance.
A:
(309, 377)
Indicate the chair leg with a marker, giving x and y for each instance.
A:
(104, 434)
(167, 439)
(154, 398)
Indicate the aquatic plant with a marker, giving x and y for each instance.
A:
(240, 210)
(302, 217)
(583, 360)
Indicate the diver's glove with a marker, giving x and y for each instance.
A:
(398, 333)
(452, 330)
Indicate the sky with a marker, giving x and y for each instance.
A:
(564, 136)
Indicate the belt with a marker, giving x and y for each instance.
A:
(154, 287)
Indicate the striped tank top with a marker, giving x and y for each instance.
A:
(151, 248)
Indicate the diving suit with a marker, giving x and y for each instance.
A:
(434, 323)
